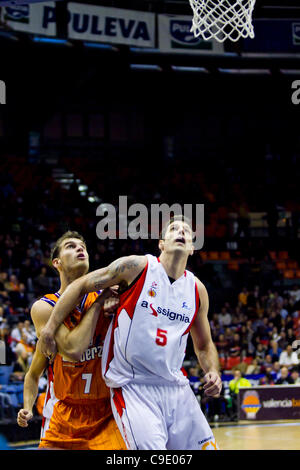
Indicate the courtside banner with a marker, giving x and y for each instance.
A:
(111, 25)
(174, 36)
(38, 18)
(269, 402)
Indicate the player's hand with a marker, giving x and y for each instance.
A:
(110, 306)
(109, 300)
(47, 345)
(23, 417)
(213, 385)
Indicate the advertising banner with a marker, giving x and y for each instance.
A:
(85, 23)
(174, 36)
(269, 402)
(111, 25)
(38, 18)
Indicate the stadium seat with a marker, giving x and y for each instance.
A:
(297, 274)
(281, 265)
(203, 255)
(232, 361)
(5, 372)
(283, 255)
(15, 392)
(288, 274)
(233, 266)
(213, 255)
(248, 360)
(7, 411)
(225, 255)
(222, 361)
(273, 255)
(292, 265)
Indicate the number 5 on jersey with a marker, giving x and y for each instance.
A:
(161, 337)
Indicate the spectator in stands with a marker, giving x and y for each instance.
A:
(253, 367)
(267, 363)
(194, 379)
(24, 345)
(295, 376)
(29, 331)
(282, 341)
(243, 295)
(234, 386)
(273, 334)
(5, 336)
(285, 378)
(274, 351)
(42, 282)
(284, 311)
(268, 378)
(225, 317)
(228, 335)
(21, 365)
(288, 357)
(3, 280)
(260, 353)
(235, 346)
(289, 323)
(2, 314)
(222, 346)
(16, 334)
(295, 293)
(276, 371)
(290, 336)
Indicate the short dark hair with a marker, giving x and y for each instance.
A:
(57, 246)
(181, 218)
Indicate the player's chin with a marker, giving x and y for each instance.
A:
(181, 248)
(82, 265)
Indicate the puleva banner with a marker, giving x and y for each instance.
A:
(111, 25)
(174, 35)
(85, 22)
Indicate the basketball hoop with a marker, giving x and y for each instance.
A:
(222, 19)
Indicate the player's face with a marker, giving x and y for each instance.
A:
(179, 237)
(73, 256)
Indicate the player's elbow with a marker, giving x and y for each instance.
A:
(71, 352)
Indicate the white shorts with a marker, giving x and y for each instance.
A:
(160, 417)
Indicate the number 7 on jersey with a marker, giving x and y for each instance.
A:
(88, 378)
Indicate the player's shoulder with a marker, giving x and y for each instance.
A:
(131, 263)
(39, 307)
(136, 260)
(200, 286)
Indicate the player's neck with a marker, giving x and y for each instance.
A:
(174, 265)
(66, 279)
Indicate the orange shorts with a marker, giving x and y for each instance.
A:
(81, 427)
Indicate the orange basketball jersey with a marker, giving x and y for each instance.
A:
(81, 382)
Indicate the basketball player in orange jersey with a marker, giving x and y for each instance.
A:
(77, 413)
(144, 349)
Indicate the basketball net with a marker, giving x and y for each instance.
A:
(222, 19)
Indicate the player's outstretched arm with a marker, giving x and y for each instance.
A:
(31, 385)
(204, 347)
(123, 269)
(72, 343)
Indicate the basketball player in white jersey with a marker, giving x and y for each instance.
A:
(144, 348)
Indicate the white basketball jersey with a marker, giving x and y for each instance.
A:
(146, 340)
